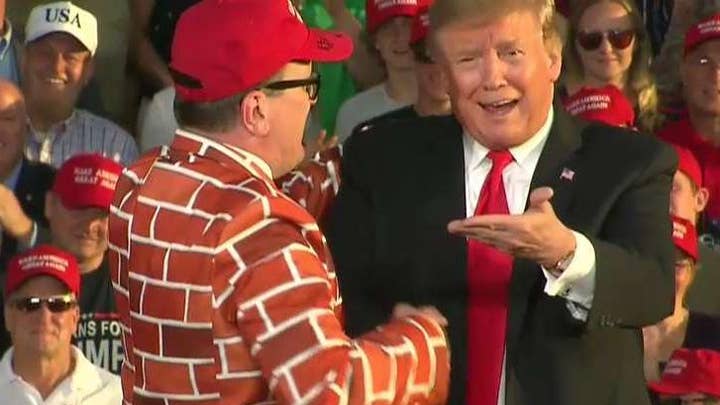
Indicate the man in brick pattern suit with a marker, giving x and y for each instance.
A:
(225, 287)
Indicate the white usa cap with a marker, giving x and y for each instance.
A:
(63, 16)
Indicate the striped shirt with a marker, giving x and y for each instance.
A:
(227, 294)
(83, 132)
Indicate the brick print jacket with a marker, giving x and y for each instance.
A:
(227, 294)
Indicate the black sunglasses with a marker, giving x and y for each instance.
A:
(311, 85)
(58, 303)
(618, 39)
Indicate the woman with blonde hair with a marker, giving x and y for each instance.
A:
(607, 46)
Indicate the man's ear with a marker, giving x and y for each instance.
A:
(254, 112)
(701, 199)
(88, 71)
(554, 53)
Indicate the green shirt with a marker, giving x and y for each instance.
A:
(337, 84)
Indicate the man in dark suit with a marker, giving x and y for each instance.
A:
(544, 305)
(23, 188)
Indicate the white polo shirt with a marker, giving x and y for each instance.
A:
(87, 384)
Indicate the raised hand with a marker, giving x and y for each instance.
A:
(537, 234)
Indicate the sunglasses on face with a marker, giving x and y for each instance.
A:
(311, 85)
(56, 304)
(618, 39)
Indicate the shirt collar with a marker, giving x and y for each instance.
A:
(57, 129)
(83, 377)
(475, 153)
(5, 39)
(203, 146)
(7, 375)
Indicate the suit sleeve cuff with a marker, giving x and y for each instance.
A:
(577, 282)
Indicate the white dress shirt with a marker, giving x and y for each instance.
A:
(577, 282)
(86, 385)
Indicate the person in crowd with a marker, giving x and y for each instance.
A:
(688, 200)
(57, 63)
(340, 80)
(699, 131)
(24, 183)
(692, 376)
(673, 25)
(389, 24)
(541, 305)
(607, 45)
(41, 313)
(432, 88)
(607, 105)
(107, 93)
(151, 31)
(77, 208)
(220, 276)
(9, 51)
(661, 339)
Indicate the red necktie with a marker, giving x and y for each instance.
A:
(489, 272)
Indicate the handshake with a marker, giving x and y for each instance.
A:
(402, 310)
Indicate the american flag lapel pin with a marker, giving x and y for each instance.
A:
(567, 174)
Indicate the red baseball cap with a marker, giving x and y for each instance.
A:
(704, 30)
(604, 104)
(684, 236)
(224, 47)
(421, 22)
(87, 181)
(688, 164)
(43, 260)
(378, 12)
(690, 371)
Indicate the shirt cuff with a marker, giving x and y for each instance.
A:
(577, 282)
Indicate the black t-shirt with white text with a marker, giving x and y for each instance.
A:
(99, 335)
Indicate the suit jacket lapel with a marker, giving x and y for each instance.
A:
(556, 168)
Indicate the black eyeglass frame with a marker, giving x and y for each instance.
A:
(54, 304)
(311, 85)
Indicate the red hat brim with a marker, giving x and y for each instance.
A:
(669, 388)
(325, 46)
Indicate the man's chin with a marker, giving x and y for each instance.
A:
(496, 137)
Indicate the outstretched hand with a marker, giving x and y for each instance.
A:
(537, 234)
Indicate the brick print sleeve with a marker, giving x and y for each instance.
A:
(315, 183)
(227, 295)
(288, 316)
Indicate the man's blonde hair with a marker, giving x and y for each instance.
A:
(446, 12)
